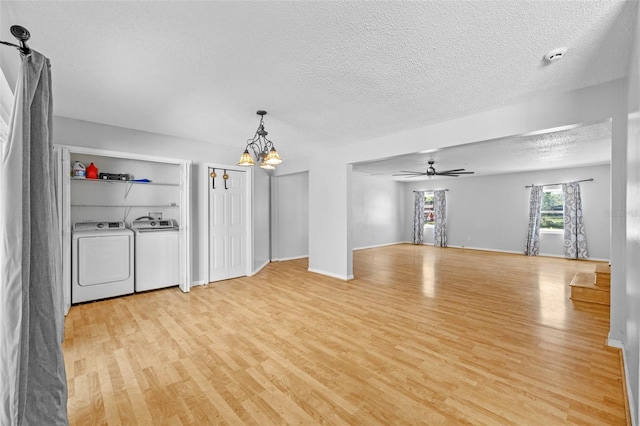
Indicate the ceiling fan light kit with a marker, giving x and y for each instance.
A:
(431, 171)
(263, 150)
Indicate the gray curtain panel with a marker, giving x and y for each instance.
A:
(575, 241)
(533, 233)
(33, 387)
(418, 217)
(440, 224)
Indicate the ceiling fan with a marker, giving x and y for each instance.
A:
(431, 171)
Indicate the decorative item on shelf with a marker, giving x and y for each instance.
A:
(79, 171)
(92, 171)
(114, 176)
(263, 149)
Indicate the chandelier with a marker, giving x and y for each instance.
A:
(262, 148)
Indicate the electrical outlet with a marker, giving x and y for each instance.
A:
(155, 215)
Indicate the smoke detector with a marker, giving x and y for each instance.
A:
(555, 54)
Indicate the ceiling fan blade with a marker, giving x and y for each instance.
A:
(451, 171)
(407, 173)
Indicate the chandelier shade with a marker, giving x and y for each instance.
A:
(246, 159)
(262, 148)
(273, 158)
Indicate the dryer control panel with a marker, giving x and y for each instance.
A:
(97, 226)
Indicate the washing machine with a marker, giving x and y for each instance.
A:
(102, 261)
(157, 253)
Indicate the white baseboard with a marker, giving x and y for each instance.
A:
(614, 343)
(331, 274)
(378, 245)
(559, 256)
(284, 259)
(199, 282)
(487, 249)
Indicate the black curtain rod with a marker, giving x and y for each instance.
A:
(22, 34)
(551, 184)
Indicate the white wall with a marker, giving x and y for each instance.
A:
(330, 194)
(100, 136)
(261, 218)
(377, 211)
(469, 199)
(290, 227)
(631, 294)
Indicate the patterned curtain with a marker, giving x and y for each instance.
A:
(440, 225)
(575, 242)
(533, 234)
(418, 218)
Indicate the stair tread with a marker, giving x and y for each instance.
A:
(585, 289)
(585, 279)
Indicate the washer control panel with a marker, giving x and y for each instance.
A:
(154, 224)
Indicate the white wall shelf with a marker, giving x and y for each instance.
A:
(127, 206)
(130, 182)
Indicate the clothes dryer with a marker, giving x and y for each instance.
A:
(102, 261)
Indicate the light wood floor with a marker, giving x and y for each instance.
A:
(421, 336)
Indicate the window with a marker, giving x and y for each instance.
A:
(552, 209)
(429, 214)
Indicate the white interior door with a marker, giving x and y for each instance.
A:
(227, 224)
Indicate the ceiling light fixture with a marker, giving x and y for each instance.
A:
(263, 150)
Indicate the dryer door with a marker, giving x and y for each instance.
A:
(103, 259)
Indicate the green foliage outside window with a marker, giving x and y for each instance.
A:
(552, 210)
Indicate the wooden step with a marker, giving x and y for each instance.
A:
(603, 275)
(584, 289)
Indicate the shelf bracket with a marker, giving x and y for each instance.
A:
(126, 194)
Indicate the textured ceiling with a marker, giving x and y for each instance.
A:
(329, 73)
(576, 146)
